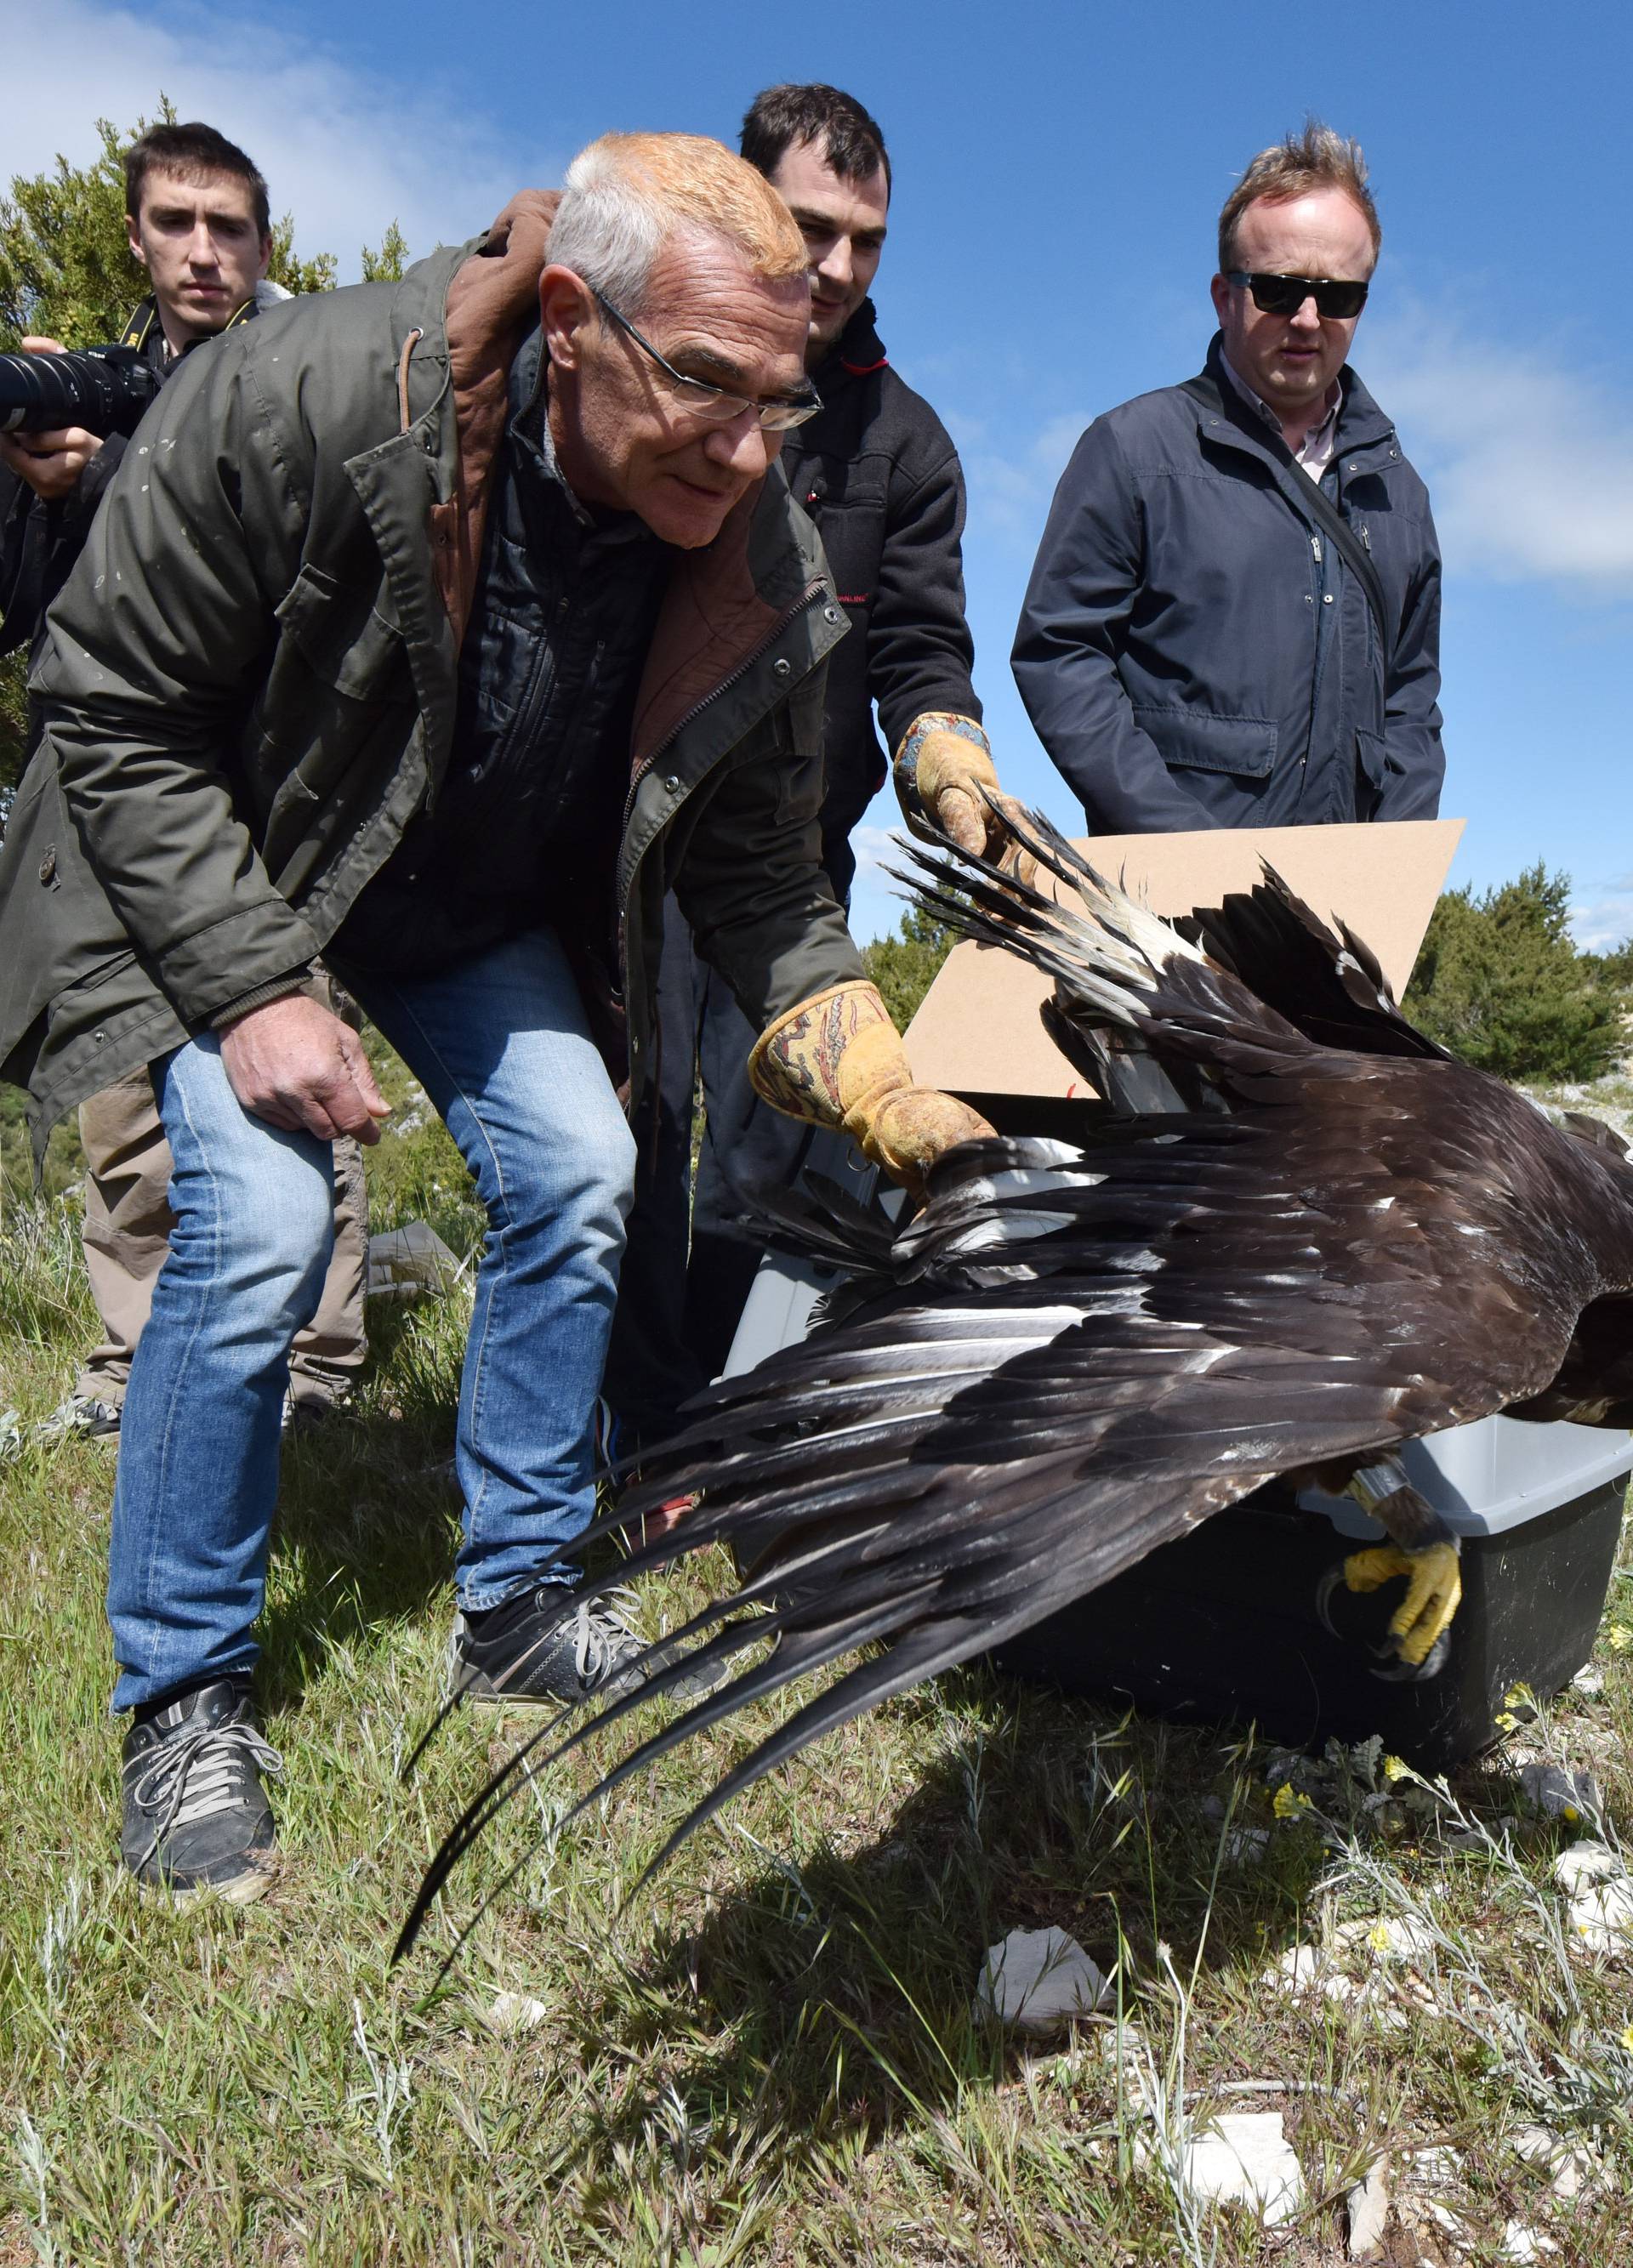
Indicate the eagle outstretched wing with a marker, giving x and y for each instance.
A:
(1081, 1351)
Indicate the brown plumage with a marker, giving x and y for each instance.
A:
(1329, 1237)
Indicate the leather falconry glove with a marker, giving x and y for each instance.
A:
(942, 765)
(838, 1060)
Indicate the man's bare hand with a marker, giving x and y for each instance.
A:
(51, 463)
(297, 1065)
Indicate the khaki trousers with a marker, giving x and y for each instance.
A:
(127, 1234)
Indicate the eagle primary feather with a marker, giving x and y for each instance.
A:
(1341, 1239)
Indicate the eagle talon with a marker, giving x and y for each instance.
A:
(1433, 1587)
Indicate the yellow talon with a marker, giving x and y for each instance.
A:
(1434, 1587)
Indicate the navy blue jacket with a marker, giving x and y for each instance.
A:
(1193, 656)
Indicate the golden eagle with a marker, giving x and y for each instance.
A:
(1309, 1234)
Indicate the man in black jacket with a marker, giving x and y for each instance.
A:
(1234, 619)
(199, 223)
(878, 473)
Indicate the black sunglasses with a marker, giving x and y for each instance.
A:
(1285, 295)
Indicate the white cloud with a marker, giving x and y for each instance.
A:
(1606, 922)
(1529, 462)
(1528, 456)
(1011, 489)
(877, 901)
(346, 151)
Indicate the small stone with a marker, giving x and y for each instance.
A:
(1368, 2205)
(512, 2013)
(406, 1262)
(1586, 1861)
(1124, 2047)
(1246, 2160)
(1589, 1682)
(1523, 2245)
(1436, 2164)
(1562, 1793)
(1570, 2169)
(1038, 1980)
(1244, 1846)
(1389, 1940)
(1602, 1915)
(1295, 1971)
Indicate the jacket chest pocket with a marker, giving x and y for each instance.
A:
(849, 508)
(339, 672)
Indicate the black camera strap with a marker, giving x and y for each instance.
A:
(1319, 513)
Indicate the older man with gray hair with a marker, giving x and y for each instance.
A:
(471, 618)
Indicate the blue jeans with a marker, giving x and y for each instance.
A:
(500, 1044)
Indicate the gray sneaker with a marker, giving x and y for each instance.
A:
(196, 1814)
(549, 1645)
(80, 1413)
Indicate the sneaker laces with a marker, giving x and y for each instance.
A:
(597, 1633)
(196, 1777)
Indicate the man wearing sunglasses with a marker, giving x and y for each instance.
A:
(1234, 617)
(472, 619)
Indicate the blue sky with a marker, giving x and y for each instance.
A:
(1058, 173)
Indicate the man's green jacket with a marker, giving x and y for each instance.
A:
(249, 689)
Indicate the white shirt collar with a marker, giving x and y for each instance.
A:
(1319, 445)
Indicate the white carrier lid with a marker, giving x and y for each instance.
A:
(1494, 1474)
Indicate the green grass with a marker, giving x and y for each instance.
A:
(769, 2055)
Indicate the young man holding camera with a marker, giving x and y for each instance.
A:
(199, 223)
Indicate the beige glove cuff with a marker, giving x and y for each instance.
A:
(831, 1060)
(940, 749)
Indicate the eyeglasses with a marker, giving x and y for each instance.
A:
(711, 403)
(1285, 295)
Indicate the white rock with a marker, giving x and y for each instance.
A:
(1388, 1940)
(1037, 1980)
(1244, 1846)
(1367, 2204)
(1436, 2164)
(1561, 1793)
(1125, 2048)
(1589, 1682)
(1247, 2159)
(514, 2012)
(1586, 1861)
(1523, 2245)
(1570, 2168)
(1602, 1915)
(403, 1263)
(1295, 1971)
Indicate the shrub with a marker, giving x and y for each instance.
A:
(904, 967)
(1499, 982)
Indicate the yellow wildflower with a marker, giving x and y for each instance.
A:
(1288, 1802)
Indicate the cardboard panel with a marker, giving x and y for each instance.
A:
(978, 1032)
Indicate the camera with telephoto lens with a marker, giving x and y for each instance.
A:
(104, 389)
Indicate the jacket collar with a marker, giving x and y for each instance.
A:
(1362, 425)
(145, 332)
(461, 319)
(856, 353)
